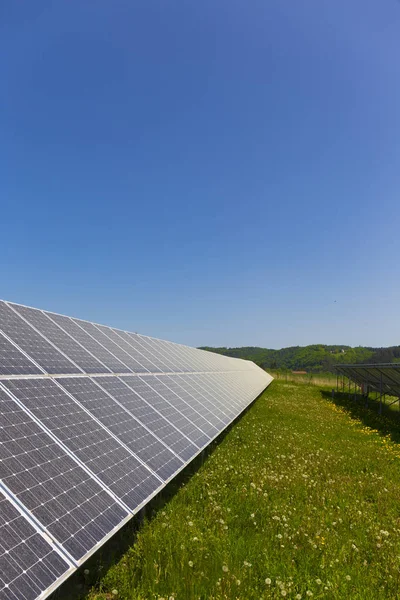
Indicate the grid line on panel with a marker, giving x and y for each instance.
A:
(29, 564)
(112, 465)
(185, 380)
(23, 316)
(71, 348)
(152, 449)
(209, 411)
(54, 489)
(116, 337)
(33, 343)
(135, 340)
(106, 334)
(164, 426)
(131, 339)
(180, 420)
(187, 406)
(127, 429)
(182, 358)
(202, 382)
(92, 330)
(13, 360)
(157, 351)
(111, 346)
(89, 343)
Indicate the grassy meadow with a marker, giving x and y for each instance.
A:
(300, 499)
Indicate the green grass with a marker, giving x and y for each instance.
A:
(300, 499)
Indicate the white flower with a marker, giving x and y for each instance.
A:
(298, 596)
(348, 577)
(283, 592)
(268, 581)
(190, 524)
(190, 563)
(86, 571)
(309, 593)
(225, 568)
(115, 592)
(318, 581)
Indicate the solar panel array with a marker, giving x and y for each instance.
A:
(382, 378)
(95, 421)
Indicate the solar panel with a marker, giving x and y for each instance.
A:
(90, 344)
(102, 402)
(148, 416)
(65, 499)
(13, 361)
(29, 564)
(94, 421)
(111, 346)
(46, 355)
(117, 337)
(49, 329)
(155, 413)
(134, 341)
(112, 463)
(383, 378)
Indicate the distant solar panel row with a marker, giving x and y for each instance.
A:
(94, 421)
(383, 378)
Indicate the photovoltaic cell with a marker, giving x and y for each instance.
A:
(187, 405)
(33, 343)
(117, 468)
(149, 393)
(195, 400)
(29, 565)
(105, 341)
(13, 362)
(209, 400)
(117, 337)
(65, 499)
(121, 422)
(115, 365)
(134, 340)
(62, 340)
(134, 399)
(159, 353)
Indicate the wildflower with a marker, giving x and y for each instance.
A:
(309, 593)
(115, 592)
(348, 577)
(190, 524)
(225, 568)
(318, 581)
(252, 515)
(298, 596)
(283, 592)
(268, 581)
(190, 563)
(86, 571)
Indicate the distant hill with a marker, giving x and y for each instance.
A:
(315, 358)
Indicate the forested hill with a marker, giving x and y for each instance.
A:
(315, 358)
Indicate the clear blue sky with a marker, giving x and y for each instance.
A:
(214, 172)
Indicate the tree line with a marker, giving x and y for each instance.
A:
(315, 358)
